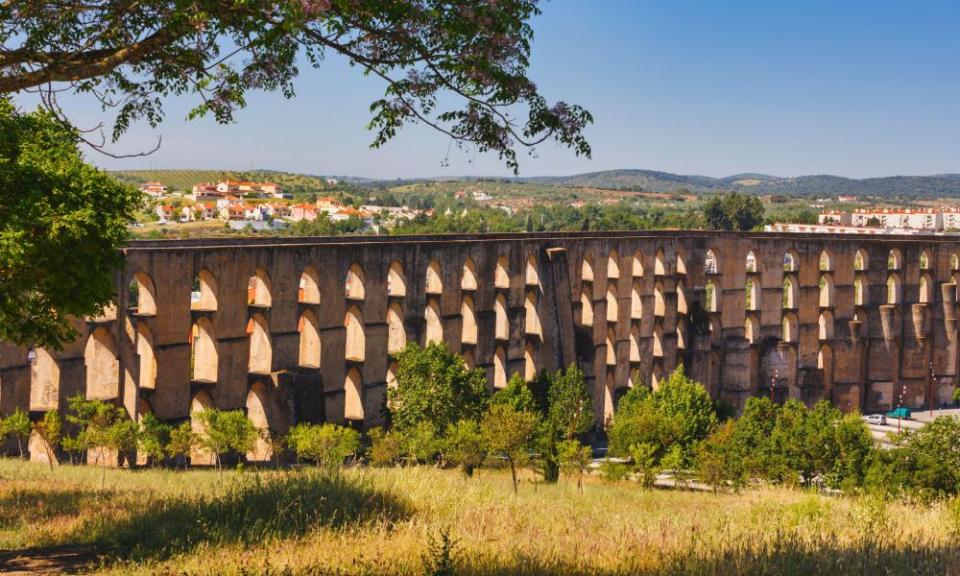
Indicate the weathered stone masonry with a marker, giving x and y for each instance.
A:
(304, 328)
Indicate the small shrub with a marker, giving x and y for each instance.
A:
(327, 445)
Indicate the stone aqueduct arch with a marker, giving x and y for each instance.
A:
(299, 329)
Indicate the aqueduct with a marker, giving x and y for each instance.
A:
(305, 329)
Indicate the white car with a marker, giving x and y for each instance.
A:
(877, 419)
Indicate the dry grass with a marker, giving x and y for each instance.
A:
(382, 521)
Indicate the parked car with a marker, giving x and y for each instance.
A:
(876, 419)
(902, 412)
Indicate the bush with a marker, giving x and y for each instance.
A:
(464, 446)
(225, 432)
(327, 445)
(153, 439)
(574, 459)
(386, 447)
(18, 426)
(182, 441)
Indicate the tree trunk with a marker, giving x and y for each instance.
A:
(513, 475)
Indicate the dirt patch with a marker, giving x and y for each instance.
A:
(58, 560)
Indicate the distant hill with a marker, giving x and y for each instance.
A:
(819, 185)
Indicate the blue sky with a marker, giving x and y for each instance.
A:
(853, 87)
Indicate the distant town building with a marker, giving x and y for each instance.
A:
(918, 219)
(154, 189)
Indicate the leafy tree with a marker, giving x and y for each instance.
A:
(182, 441)
(433, 386)
(719, 460)
(644, 456)
(153, 438)
(102, 427)
(464, 446)
(49, 430)
(460, 67)
(421, 443)
(224, 432)
(17, 425)
(570, 409)
(574, 458)
(509, 433)
(516, 394)
(62, 223)
(386, 447)
(327, 445)
(733, 211)
(925, 462)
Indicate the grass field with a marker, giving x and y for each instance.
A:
(393, 521)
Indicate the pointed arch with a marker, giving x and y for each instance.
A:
(532, 274)
(502, 323)
(926, 259)
(681, 263)
(201, 401)
(103, 367)
(825, 325)
(353, 396)
(468, 276)
(586, 268)
(355, 345)
(636, 302)
(354, 285)
(308, 291)
(396, 331)
(750, 264)
(586, 306)
(259, 289)
(752, 295)
(499, 368)
(613, 265)
(611, 348)
(789, 293)
(261, 347)
(681, 335)
(658, 341)
(751, 329)
(147, 358)
(531, 315)
(682, 307)
(44, 381)
(609, 386)
(434, 280)
(826, 262)
(825, 365)
(894, 259)
(926, 289)
(637, 268)
(501, 277)
(396, 280)
(791, 261)
(859, 290)
(203, 294)
(660, 264)
(710, 263)
(659, 300)
(204, 351)
(634, 344)
(613, 306)
(257, 413)
(310, 348)
(529, 363)
(469, 321)
(143, 296)
(431, 314)
(954, 262)
(893, 289)
(860, 261)
(826, 291)
(789, 328)
(711, 297)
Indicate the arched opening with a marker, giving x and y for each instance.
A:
(502, 274)
(860, 261)
(659, 300)
(826, 291)
(309, 328)
(469, 321)
(468, 278)
(353, 396)
(142, 295)
(656, 376)
(894, 260)
(711, 296)
(859, 291)
(309, 290)
(635, 344)
(789, 328)
(637, 268)
(790, 261)
(681, 264)
(752, 294)
(529, 363)
(825, 262)
(954, 262)
(613, 265)
(148, 359)
(682, 307)
(500, 368)
(257, 413)
(893, 289)
(103, 368)
(636, 302)
(926, 260)
(201, 401)
(469, 360)
(658, 341)
(660, 264)
(204, 351)
(355, 346)
(586, 306)
(532, 274)
(825, 325)
(751, 262)
(203, 294)
(825, 365)
(434, 282)
(434, 326)
(531, 315)
(608, 393)
(926, 289)
(261, 348)
(396, 281)
(44, 381)
(502, 324)
(789, 293)
(611, 348)
(613, 308)
(681, 335)
(586, 268)
(751, 329)
(258, 289)
(354, 284)
(396, 332)
(710, 264)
